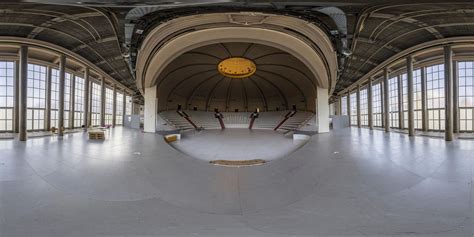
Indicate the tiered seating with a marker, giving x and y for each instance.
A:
(297, 120)
(204, 119)
(236, 119)
(266, 120)
(173, 118)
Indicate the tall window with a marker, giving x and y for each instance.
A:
(393, 101)
(54, 97)
(128, 105)
(109, 104)
(466, 95)
(353, 108)
(418, 119)
(67, 99)
(344, 105)
(404, 79)
(119, 112)
(377, 104)
(79, 102)
(435, 96)
(36, 97)
(364, 112)
(95, 104)
(6, 95)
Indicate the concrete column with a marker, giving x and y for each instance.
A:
(386, 107)
(151, 109)
(400, 102)
(322, 110)
(102, 102)
(349, 107)
(72, 101)
(339, 104)
(124, 105)
(411, 112)
(358, 106)
(370, 104)
(16, 117)
(89, 117)
(455, 98)
(448, 92)
(114, 106)
(86, 118)
(47, 114)
(23, 86)
(62, 80)
(424, 99)
(381, 102)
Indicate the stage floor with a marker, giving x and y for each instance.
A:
(237, 144)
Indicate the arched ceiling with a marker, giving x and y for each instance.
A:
(89, 32)
(376, 30)
(383, 30)
(193, 80)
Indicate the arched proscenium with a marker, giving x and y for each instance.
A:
(182, 44)
(306, 42)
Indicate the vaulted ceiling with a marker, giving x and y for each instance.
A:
(96, 30)
(280, 80)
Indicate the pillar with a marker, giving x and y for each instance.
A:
(358, 106)
(86, 118)
(349, 107)
(322, 103)
(370, 104)
(47, 114)
(102, 102)
(455, 98)
(424, 99)
(124, 106)
(411, 111)
(72, 101)
(62, 78)
(386, 107)
(23, 86)
(401, 123)
(448, 92)
(151, 104)
(339, 106)
(89, 117)
(16, 112)
(114, 106)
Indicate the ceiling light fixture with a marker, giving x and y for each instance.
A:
(237, 67)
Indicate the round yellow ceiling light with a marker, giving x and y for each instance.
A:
(237, 67)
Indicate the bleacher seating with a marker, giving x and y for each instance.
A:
(266, 120)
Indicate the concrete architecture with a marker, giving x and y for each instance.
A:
(236, 118)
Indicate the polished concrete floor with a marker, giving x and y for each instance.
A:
(351, 182)
(237, 144)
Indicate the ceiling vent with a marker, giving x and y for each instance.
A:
(247, 18)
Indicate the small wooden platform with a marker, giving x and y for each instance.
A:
(238, 163)
(172, 137)
(96, 135)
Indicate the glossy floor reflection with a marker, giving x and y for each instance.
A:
(352, 182)
(237, 144)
